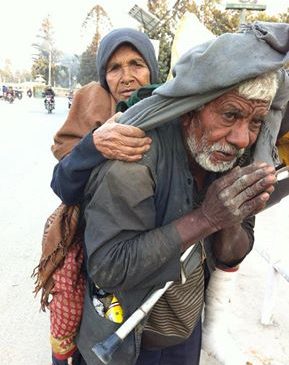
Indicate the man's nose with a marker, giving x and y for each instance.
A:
(239, 135)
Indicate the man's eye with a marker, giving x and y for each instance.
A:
(256, 124)
(231, 116)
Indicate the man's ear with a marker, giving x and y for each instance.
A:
(186, 119)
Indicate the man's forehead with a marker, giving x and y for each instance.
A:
(235, 99)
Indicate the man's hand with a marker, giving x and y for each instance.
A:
(239, 194)
(119, 141)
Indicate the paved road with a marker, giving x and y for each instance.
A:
(26, 201)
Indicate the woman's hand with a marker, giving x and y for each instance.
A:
(119, 141)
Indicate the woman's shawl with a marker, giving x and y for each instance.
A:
(92, 105)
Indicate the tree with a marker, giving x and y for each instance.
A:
(6, 73)
(216, 20)
(99, 23)
(87, 70)
(46, 57)
(68, 70)
(284, 18)
(263, 16)
(162, 32)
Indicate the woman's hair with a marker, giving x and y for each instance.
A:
(140, 41)
(263, 87)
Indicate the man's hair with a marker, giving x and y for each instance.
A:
(263, 87)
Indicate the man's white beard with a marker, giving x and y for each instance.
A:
(201, 152)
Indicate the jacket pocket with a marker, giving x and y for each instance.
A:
(95, 328)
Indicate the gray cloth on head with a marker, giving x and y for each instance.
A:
(114, 39)
(285, 122)
(210, 69)
(266, 149)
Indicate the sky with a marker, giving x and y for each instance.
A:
(24, 19)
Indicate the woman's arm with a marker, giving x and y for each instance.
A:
(110, 141)
(71, 174)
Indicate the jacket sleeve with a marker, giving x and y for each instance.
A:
(124, 247)
(71, 174)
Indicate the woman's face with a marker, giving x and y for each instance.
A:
(126, 71)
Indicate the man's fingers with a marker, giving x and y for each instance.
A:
(253, 206)
(248, 186)
(263, 185)
(247, 179)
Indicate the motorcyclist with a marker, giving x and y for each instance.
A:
(49, 92)
(70, 97)
(10, 95)
(4, 90)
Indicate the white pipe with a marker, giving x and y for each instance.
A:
(275, 269)
(278, 265)
(269, 296)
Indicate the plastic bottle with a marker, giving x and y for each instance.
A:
(114, 312)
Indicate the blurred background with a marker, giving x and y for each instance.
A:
(55, 42)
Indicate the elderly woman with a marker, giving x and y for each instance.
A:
(125, 62)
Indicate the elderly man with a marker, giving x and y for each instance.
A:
(196, 183)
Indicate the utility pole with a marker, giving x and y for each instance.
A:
(244, 5)
(49, 64)
(242, 16)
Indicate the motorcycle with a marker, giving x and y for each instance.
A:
(9, 97)
(18, 94)
(29, 93)
(49, 103)
(69, 101)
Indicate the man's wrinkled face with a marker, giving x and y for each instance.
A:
(218, 134)
(126, 71)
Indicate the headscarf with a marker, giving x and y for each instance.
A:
(114, 39)
(211, 69)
